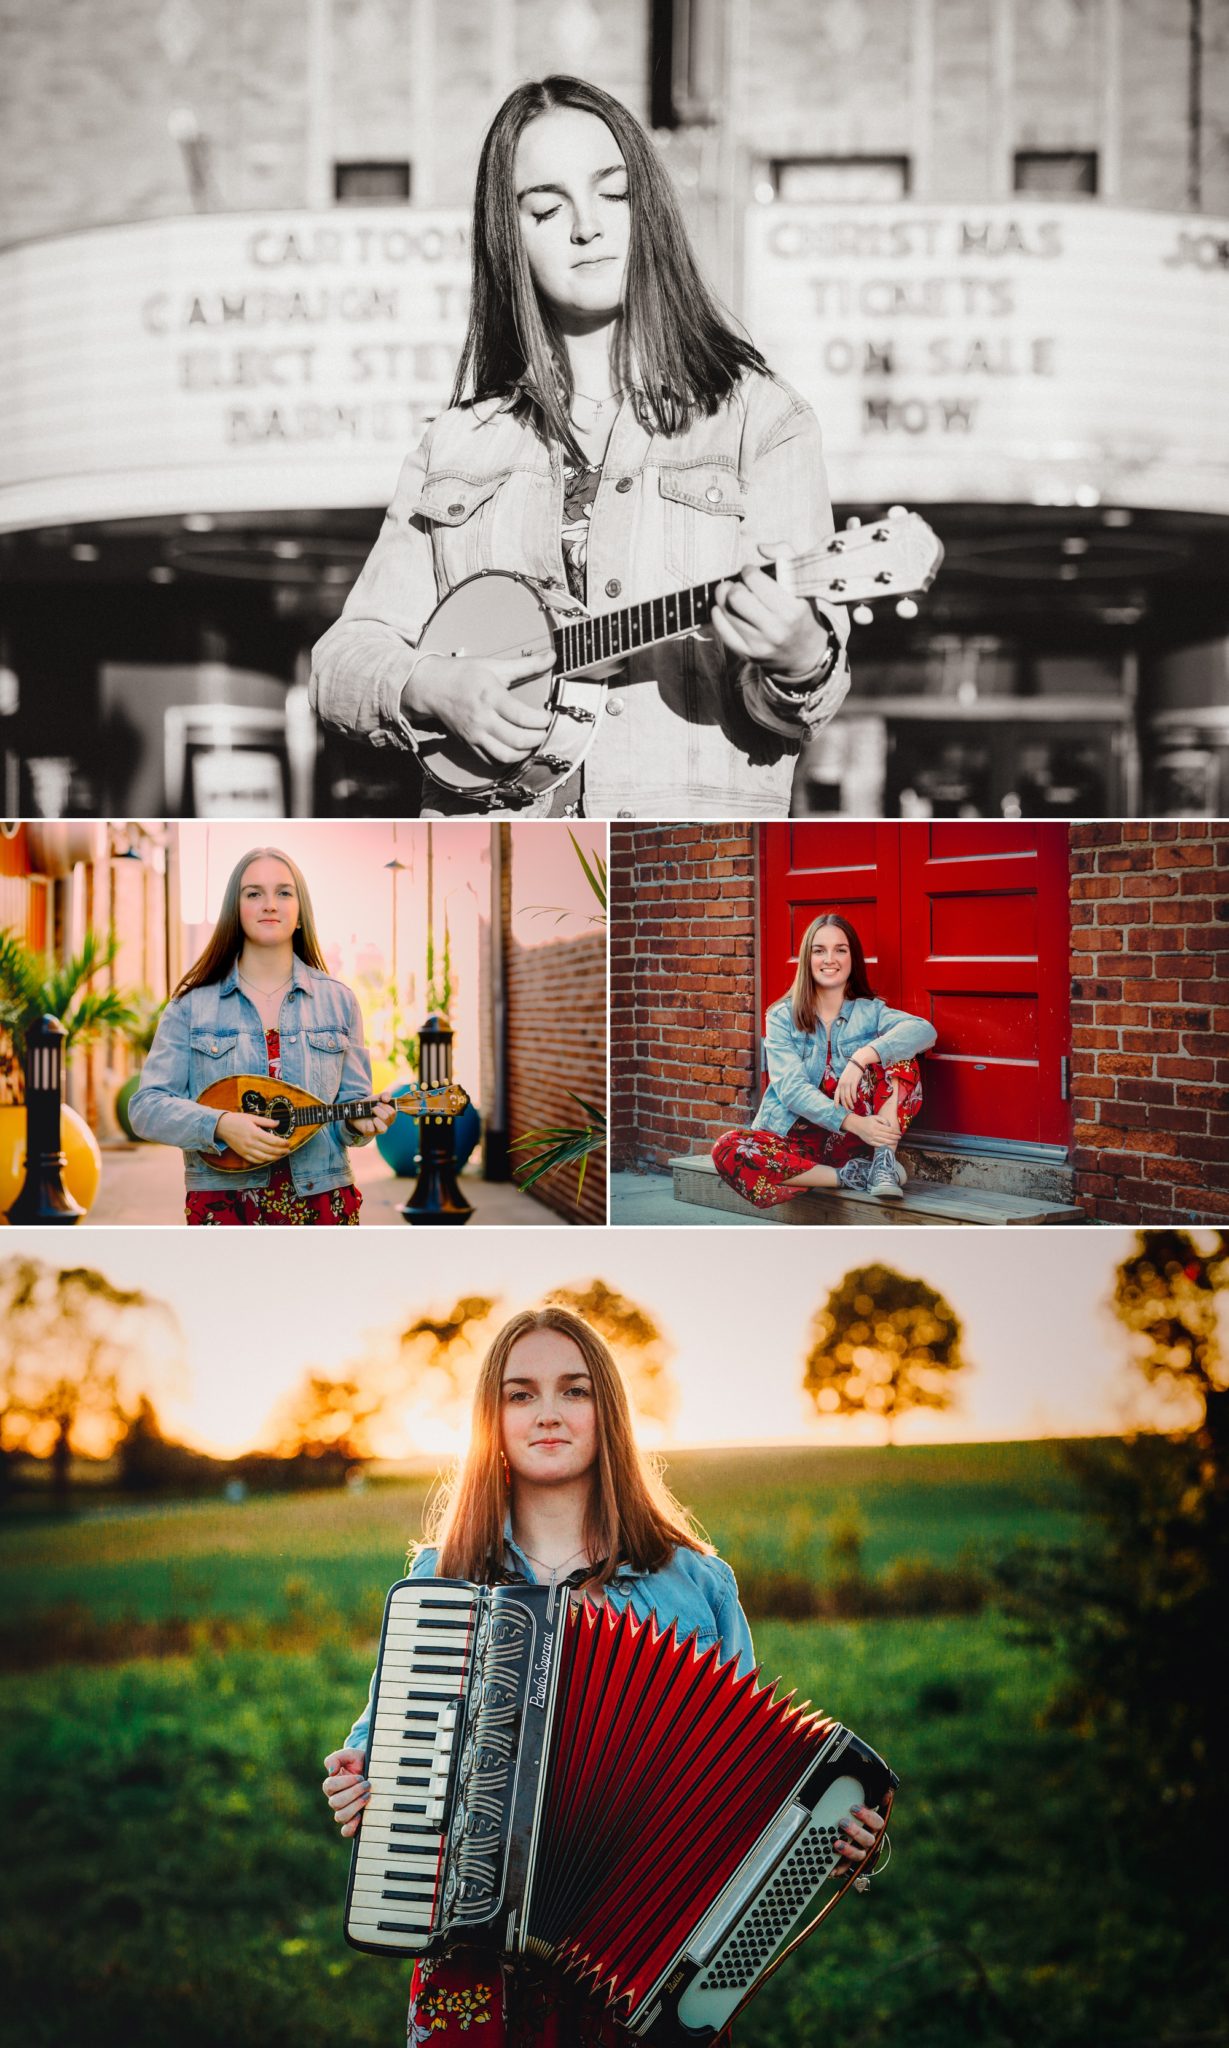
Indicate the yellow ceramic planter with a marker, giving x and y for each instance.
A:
(84, 1160)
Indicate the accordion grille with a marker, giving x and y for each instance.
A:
(666, 1768)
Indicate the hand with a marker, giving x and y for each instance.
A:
(873, 1130)
(375, 1125)
(254, 1138)
(473, 700)
(345, 1788)
(852, 1076)
(859, 1834)
(757, 618)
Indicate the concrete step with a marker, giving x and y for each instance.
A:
(1041, 1171)
(923, 1203)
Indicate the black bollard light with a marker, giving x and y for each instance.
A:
(437, 1196)
(44, 1197)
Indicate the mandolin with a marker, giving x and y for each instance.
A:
(499, 614)
(296, 1114)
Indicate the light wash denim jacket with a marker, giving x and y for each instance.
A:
(797, 1059)
(215, 1031)
(691, 732)
(697, 1592)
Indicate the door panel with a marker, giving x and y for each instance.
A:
(965, 923)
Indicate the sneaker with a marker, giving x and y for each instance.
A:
(886, 1178)
(855, 1173)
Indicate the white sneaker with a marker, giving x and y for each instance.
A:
(887, 1176)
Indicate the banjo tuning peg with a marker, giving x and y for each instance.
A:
(862, 615)
(852, 521)
(905, 608)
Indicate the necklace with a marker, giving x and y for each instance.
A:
(599, 406)
(554, 1569)
(259, 985)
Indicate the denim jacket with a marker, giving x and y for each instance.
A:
(215, 1031)
(697, 1592)
(797, 1059)
(689, 731)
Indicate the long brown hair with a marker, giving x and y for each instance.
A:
(631, 1516)
(226, 943)
(804, 996)
(675, 343)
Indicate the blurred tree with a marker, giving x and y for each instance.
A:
(78, 1353)
(882, 1344)
(332, 1417)
(1136, 1611)
(455, 1328)
(638, 1343)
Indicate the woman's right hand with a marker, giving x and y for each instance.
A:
(345, 1788)
(873, 1130)
(472, 699)
(254, 1138)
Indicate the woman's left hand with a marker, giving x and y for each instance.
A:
(755, 617)
(852, 1075)
(374, 1126)
(857, 1836)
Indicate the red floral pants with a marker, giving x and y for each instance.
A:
(757, 1164)
(529, 2006)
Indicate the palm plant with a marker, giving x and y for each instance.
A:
(556, 1145)
(34, 985)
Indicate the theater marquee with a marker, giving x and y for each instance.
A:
(1017, 353)
(227, 363)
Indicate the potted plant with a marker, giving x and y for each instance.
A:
(34, 985)
(146, 1011)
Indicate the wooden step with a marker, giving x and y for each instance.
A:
(697, 1180)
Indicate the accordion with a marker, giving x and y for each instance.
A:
(573, 1784)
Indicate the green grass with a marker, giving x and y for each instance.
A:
(169, 1836)
(761, 1508)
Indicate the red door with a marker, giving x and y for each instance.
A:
(965, 924)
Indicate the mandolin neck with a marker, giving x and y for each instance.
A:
(348, 1112)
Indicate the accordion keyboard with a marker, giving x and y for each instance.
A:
(424, 1670)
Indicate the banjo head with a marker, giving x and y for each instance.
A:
(499, 616)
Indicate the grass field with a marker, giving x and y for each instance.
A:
(173, 1839)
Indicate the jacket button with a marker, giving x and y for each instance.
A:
(613, 587)
(625, 814)
(455, 511)
(713, 495)
(624, 483)
(614, 706)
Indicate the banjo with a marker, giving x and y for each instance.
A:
(499, 614)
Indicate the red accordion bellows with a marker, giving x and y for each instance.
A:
(665, 1770)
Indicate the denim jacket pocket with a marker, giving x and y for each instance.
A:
(460, 509)
(703, 511)
(326, 1056)
(213, 1057)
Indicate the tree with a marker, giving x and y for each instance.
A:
(882, 1344)
(639, 1345)
(327, 1417)
(78, 1353)
(1135, 1610)
(34, 985)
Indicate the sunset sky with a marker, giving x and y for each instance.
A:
(258, 1308)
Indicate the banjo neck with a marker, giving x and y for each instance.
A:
(889, 557)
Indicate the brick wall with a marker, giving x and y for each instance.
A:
(1150, 1020)
(85, 140)
(556, 1041)
(684, 1036)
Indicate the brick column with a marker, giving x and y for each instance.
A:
(1150, 1020)
(684, 1030)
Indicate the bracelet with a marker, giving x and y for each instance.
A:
(811, 677)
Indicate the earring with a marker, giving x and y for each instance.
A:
(507, 1469)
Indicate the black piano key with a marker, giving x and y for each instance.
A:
(410, 1898)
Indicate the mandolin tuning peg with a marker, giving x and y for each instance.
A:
(862, 615)
(905, 608)
(896, 512)
(853, 520)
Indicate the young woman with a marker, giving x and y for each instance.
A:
(613, 439)
(552, 1489)
(260, 1001)
(843, 1081)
